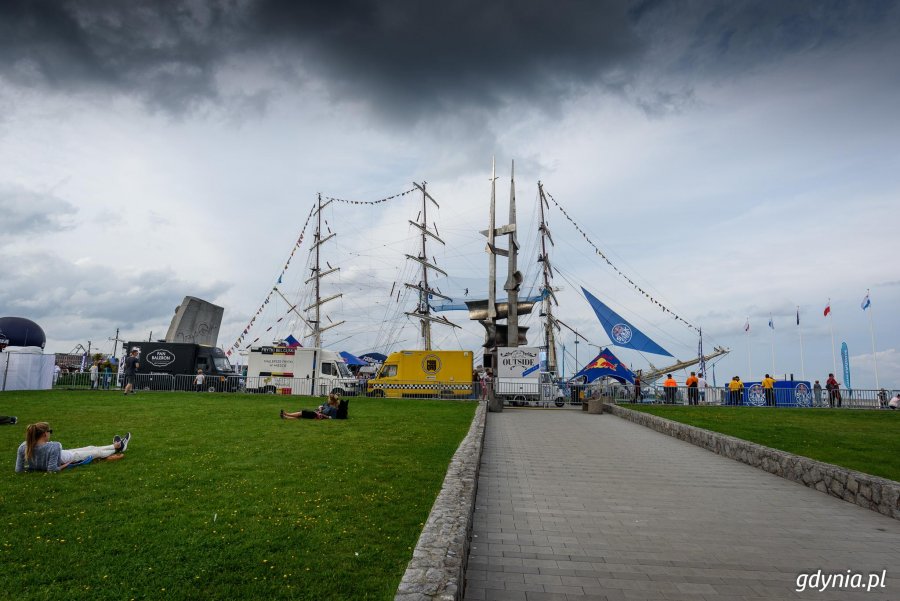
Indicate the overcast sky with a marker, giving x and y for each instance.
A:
(734, 159)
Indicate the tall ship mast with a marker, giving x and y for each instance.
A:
(426, 292)
(547, 292)
(315, 322)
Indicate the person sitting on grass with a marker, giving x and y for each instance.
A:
(327, 410)
(38, 454)
(894, 403)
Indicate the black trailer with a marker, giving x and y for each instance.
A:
(173, 365)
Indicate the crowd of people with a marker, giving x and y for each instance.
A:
(698, 391)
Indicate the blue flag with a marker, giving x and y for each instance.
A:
(845, 360)
(620, 332)
(866, 303)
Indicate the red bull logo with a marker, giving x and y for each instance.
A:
(602, 363)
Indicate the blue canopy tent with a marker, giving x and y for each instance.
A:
(372, 358)
(606, 365)
(351, 359)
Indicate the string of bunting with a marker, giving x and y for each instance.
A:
(299, 242)
(369, 202)
(619, 271)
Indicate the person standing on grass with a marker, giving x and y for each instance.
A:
(39, 454)
(768, 385)
(817, 394)
(131, 366)
(107, 372)
(736, 390)
(638, 393)
(669, 388)
(834, 391)
(701, 387)
(95, 375)
(198, 381)
(692, 390)
(882, 398)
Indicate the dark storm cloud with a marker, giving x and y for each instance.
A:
(409, 58)
(27, 213)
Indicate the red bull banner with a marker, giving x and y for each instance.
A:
(606, 364)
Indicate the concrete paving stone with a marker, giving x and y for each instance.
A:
(580, 581)
(474, 593)
(544, 596)
(543, 578)
(524, 586)
(557, 572)
(491, 594)
(522, 569)
(561, 588)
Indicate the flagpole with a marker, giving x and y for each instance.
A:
(831, 327)
(772, 324)
(800, 331)
(872, 333)
(749, 369)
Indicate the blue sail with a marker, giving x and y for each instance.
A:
(620, 332)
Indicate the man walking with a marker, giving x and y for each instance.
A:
(131, 366)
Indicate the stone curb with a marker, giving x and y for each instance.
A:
(878, 494)
(437, 568)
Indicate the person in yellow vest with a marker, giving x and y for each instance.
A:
(768, 385)
(736, 388)
(692, 391)
(669, 387)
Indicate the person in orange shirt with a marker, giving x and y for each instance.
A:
(692, 391)
(670, 387)
(768, 385)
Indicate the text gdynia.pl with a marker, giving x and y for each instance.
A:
(852, 580)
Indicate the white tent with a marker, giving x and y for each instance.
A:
(26, 368)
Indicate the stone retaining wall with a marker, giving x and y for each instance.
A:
(437, 569)
(871, 492)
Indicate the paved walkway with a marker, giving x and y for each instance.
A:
(573, 506)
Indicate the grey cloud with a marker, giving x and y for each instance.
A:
(26, 212)
(409, 59)
(44, 286)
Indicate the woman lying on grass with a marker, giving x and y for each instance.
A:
(328, 410)
(38, 454)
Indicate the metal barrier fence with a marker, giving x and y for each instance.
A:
(753, 396)
(541, 395)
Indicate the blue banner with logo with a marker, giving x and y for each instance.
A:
(845, 359)
(620, 332)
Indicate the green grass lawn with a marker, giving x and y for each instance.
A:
(217, 498)
(866, 441)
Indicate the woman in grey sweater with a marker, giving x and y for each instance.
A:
(39, 454)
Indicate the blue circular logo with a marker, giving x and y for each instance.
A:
(621, 333)
(756, 395)
(803, 395)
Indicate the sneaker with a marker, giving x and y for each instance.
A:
(282, 414)
(15, 420)
(117, 442)
(125, 442)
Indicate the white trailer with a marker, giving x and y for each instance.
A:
(298, 370)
